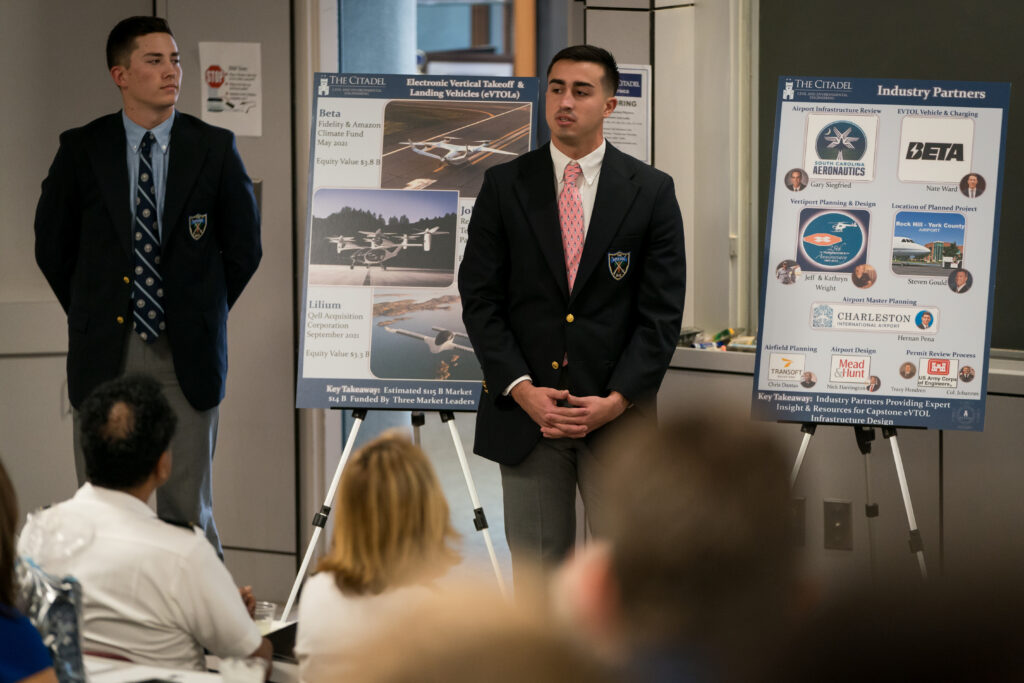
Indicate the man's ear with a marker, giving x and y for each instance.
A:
(163, 467)
(609, 106)
(117, 72)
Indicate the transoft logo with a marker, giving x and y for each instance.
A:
(786, 367)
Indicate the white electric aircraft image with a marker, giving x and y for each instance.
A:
(840, 226)
(379, 245)
(904, 246)
(444, 340)
(454, 154)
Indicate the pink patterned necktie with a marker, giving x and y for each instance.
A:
(570, 217)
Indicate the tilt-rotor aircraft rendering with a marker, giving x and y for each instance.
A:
(378, 246)
(454, 154)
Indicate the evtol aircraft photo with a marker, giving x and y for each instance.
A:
(444, 340)
(454, 154)
(378, 246)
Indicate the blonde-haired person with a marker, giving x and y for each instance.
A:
(392, 538)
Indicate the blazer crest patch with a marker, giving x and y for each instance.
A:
(197, 225)
(618, 263)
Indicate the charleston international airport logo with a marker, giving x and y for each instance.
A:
(841, 141)
(832, 240)
(822, 316)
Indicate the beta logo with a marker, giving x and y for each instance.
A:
(938, 366)
(936, 151)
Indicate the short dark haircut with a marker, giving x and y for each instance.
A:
(592, 53)
(697, 517)
(121, 40)
(126, 426)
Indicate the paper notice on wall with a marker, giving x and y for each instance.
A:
(232, 83)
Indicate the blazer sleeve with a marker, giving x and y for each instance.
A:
(57, 223)
(239, 234)
(659, 304)
(483, 285)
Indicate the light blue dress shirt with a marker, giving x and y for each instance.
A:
(161, 155)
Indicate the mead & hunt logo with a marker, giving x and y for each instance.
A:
(833, 241)
(935, 149)
(786, 367)
(850, 369)
(938, 373)
(840, 148)
(841, 141)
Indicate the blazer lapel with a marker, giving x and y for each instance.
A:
(187, 152)
(615, 194)
(535, 188)
(109, 157)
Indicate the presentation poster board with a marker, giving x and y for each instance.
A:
(396, 163)
(880, 252)
(629, 126)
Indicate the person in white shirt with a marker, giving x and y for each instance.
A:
(392, 537)
(153, 591)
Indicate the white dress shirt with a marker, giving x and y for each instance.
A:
(153, 592)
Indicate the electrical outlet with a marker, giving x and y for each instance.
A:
(798, 522)
(838, 525)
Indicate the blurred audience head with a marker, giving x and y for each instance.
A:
(8, 526)
(391, 521)
(473, 636)
(697, 553)
(126, 426)
(968, 632)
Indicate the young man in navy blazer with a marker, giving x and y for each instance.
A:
(567, 366)
(204, 245)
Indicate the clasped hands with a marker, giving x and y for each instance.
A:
(582, 415)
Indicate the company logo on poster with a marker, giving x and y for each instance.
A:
(840, 148)
(938, 372)
(874, 318)
(850, 369)
(832, 241)
(935, 149)
(786, 367)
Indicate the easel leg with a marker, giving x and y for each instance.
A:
(808, 429)
(320, 518)
(479, 519)
(865, 435)
(916, 543)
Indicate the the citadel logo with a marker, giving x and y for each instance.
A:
(936, 151)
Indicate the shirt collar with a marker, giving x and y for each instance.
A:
(134, 132)
(113, 497)
(590, 165)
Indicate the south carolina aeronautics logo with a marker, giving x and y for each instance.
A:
(841, 141)
(833, 241)
(822, 316)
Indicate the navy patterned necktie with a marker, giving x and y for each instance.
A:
(148, 288)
